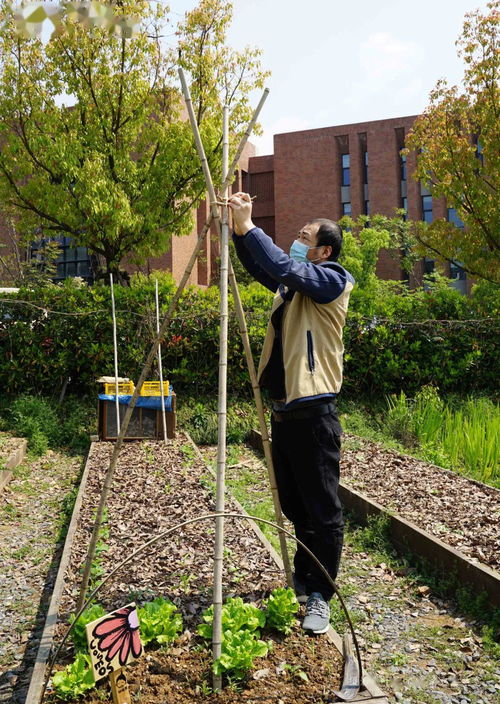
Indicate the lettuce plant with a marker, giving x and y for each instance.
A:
(236, 616)
(281, 607)
(75, 679)
(78, 634)
(238, 651)
(160, 621)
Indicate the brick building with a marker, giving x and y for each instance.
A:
(343, 170)
(327, 172)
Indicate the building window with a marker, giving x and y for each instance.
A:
(365, 167)
(346, 209)
(427, 209)
(428, 265)
(457, 272)
(404, 205)
(403, 166)
(453, 217)
(346, 170)
(72, 260)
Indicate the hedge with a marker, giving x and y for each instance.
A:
(58, 332)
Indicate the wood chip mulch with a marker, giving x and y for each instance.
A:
(461, 512)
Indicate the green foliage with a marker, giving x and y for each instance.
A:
(159, 621)
(199, 417)
(238, 652)
(79, 634)
(236, 616)
(462, 435)
(75, 679)
(281, 608)
(444, 137)
(47, 424)
(94, 172)
(406, 341)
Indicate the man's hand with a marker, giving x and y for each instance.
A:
(241, 208)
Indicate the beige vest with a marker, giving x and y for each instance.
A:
(312, 344)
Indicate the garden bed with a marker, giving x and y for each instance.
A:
(155, 487)
(461, 512)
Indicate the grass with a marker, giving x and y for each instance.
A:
(460, 434)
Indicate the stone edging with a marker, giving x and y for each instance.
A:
(407, 536)
(371, 694)
(13, 461)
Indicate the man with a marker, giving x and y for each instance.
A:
(301, 368)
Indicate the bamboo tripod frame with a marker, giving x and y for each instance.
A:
(223, 233)
(227, 273)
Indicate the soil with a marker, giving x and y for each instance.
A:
(157, 486)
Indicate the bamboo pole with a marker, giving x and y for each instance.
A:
(150, 358)
(160, 365)
(222, 413)
(115, 353)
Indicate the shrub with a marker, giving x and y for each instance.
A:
(394, 339)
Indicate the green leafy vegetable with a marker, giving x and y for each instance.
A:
(160, 621)
(75, 679)
(236, 615)
(281, 608)
(238, 652)
(78, 634)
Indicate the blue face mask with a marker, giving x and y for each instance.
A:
(299, 250)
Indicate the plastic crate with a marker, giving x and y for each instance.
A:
(152, 388)
(125, 388)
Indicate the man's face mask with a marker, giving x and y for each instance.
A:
(299, 250)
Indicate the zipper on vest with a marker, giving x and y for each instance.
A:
(310, 351)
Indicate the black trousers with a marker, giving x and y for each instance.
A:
(306, 454)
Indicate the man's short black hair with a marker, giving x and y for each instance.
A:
(329, 233)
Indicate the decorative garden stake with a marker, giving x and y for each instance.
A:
(108, 481)
(114, 642)
(160, 367)
(115, 351)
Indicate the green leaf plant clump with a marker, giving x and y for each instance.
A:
(159, 621)
(281, 608)
(238, 652)
(78, 634)
(236, 616)
(75, 679)
(241, 624)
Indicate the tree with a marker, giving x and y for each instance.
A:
(457, 139)
(34, 271)
(117, 171)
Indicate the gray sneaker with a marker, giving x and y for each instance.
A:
(317, 617)
(300, 590)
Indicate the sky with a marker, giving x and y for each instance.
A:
(336, 63)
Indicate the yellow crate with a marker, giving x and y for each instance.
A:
(125, 388)
(152, 388)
